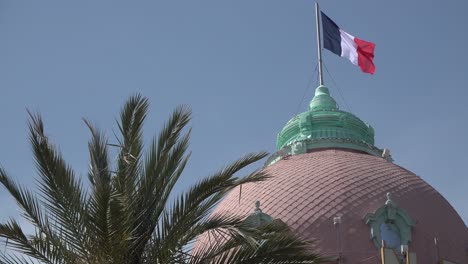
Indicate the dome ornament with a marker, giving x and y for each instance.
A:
(257, 207)
(386, 155)
(389, 201)
(298, 147)
(258, 218)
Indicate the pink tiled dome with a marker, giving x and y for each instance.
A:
(327, 166)
(308, 190)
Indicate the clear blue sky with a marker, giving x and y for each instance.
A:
(243, 67)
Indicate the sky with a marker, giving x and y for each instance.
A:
(244, 69)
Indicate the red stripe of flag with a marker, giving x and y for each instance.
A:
(365, 52)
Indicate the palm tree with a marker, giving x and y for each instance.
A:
(127, 214)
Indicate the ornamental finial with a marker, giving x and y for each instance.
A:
(322, 100)
(257, 207)
(389, 199)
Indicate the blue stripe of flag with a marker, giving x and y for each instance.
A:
(331, 35)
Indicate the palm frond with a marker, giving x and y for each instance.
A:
(176, 228)
(27, 201)
(100, 178)
(131, 122)
(224, 180)
(63, 194)
(275, 244)
(19, 241)
(14, 259)
(165, 163)
(32, 211)
(128, 174)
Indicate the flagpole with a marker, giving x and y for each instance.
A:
(319, 43)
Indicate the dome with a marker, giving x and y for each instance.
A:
(330, 184)
(309, 190)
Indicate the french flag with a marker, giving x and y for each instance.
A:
(358, 51)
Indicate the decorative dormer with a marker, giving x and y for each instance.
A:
(391, 224)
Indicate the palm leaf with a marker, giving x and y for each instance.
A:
(59, 187)
(19, 241)
(100, 198)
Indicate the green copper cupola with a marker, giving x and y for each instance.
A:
(324, 126)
